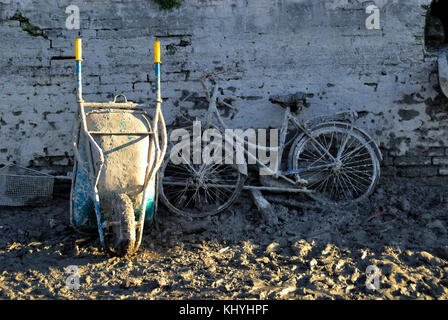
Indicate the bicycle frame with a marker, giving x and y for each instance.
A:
(331, 153)
(287, 117)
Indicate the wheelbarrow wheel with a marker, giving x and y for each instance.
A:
(123, 237)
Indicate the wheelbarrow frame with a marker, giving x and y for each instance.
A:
(157, 141)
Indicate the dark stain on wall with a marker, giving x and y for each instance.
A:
(407, 115)
(437, 108)
(410, 99)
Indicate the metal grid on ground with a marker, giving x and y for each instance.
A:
(22, 186)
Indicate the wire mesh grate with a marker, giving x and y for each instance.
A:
(22, 186)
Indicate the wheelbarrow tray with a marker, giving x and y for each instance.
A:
(125, 141)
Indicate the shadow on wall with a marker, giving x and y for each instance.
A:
(436, 29)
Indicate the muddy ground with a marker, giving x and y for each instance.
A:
(311, 253)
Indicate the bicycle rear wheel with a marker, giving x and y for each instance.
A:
(352, 178)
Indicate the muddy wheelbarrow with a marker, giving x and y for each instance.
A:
(118, 148)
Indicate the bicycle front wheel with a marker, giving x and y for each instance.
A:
(338, 162)
(199, 190)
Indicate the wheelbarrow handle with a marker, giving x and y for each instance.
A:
(78, 58)
(157, 52)
(120, 95)
(78, 49)
(157, 63)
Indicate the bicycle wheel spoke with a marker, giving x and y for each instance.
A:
(351, 152)
(317, 149)
(218, 193)
(349, 190)
(199, 190)
(361, 172)
(323, 183)
(356, 161)
(179, 193)
(359, 157)
(349, 178)
(343, 146)
(180, 200)
(368, 165)
(358, 184)
(212, 166)
(362, 178)
(315, 162)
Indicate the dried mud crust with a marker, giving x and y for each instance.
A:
(311, 253)
(121, 241)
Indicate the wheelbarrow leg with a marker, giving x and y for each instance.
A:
(96, 201)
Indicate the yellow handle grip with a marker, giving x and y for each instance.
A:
(78, 49)
(157, 52)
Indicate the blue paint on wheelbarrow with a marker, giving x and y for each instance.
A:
(83, 216)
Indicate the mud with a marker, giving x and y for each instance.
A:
(310, 253)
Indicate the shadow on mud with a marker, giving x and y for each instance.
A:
(310, 253)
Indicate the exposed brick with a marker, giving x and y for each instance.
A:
(437, 161)
(389, 171)
(433, 181)
(412, 161)
(436, 152)
(412, 172)
(387, 159)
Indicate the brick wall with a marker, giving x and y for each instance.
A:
(261, 47)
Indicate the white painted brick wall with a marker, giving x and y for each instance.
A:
(263, 47)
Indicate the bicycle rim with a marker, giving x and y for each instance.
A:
(199, 190)
(351, 180)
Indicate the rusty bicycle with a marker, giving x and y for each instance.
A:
(329, 159)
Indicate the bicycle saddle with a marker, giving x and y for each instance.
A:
(294, 101)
